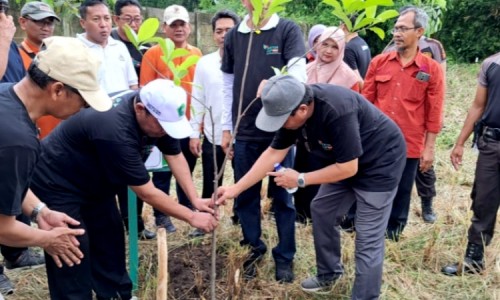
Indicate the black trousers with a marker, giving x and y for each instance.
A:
(207, 158)
(426, 183)
(122, 195)
(401, 204)
(103, 268)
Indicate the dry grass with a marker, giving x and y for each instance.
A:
(412, 266)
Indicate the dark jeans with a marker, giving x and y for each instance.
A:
(401, 204)
(122, 194)
(426, 183)
(207, 158)
(13, 253)
(161, 180)
(485, 192)
(103, 268)
(247, 205)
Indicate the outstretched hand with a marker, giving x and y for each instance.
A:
(286, 179)
(204, 221)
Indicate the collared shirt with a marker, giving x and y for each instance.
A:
(489, 77)
(14, 71)
(116, 72)
(28, 51)
(152, 64)
(415, 105)
(207, 89)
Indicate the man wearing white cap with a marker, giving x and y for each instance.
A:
(362, 153)
(61, 80)
(87, 157)
(176, 27)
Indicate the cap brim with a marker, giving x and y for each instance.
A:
(98, 100)
(43, 15)
(270, 123)
(178, 130)
(175, 19)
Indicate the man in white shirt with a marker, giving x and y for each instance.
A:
(207, 95)
(117, 71)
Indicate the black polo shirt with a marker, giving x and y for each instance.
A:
(92, 153)
(345, 126)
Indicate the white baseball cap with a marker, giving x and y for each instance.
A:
(175, 12)
(167, 103)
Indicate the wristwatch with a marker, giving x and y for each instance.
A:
(36, 211)
(301, 181)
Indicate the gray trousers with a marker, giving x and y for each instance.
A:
(373, 209)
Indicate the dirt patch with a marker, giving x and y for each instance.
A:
(189, 272)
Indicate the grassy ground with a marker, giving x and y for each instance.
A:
(412, 266)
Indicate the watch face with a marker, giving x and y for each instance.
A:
(300, 181)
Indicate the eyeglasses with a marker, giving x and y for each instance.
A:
(129, 20)
(402, 29)
(47, 22)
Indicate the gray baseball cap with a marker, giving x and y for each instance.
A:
(280, 96)
(38, 11)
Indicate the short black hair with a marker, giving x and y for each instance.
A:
(42, 80)
(307, 99)
(224, 14)
(119, 4)
(82, 10)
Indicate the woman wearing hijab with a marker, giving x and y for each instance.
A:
(329, 65)
(312, 40)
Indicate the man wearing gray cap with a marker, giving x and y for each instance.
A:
(363, 154)
(61, 80)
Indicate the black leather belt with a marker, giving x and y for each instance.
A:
(492, 133)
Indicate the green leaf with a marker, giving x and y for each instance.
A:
(257, 12)
(177, 81)
(342, 16)
(131, 35)
(379, 32)
(148, 29)
(181, 73)
(369, 3)
(274, 10)
(386, 15)
(364, 23)
(190, 61)
(179, 52)
(276, 71)
(172, 67)
(355, 6)
(169, 48)
(371, 11)
(334, 3)
(153, 40)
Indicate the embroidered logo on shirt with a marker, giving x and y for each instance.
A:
(324, 146)
(271, 50)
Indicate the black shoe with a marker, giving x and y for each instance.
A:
(473, 262)
(319, 283)
(284, 272)
(235, 220)
(347, 225)
(165, 222)
(6, 287)
(250, 267)
(147, 235)
(428, 214)
(27, 259)
(392, 235)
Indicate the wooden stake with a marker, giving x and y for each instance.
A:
(162, 287)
